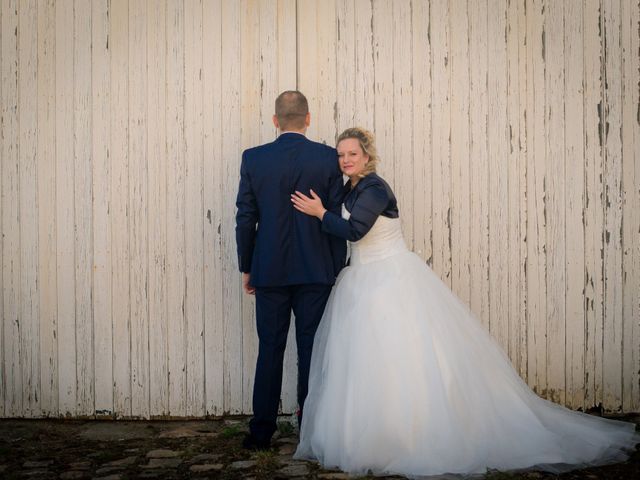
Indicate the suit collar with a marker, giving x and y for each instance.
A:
(288, 136)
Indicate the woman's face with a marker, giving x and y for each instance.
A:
(351, 157)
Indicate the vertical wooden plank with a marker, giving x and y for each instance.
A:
(231, 121)
(268, 68)
(515, 157)
(251, 122)
(460, 220)
(612, 341)
(28, 207)
(536, 178)
(286, 80)
(101, 214)
(2, 323)
(574, 204)
(403, 115)
(422, 178)
(175, 208)
(522, 188)
(631, 207)
(441, 133)
(82, 134)
(120, 250)
(46, 174)
(11, 212)
(364, 63)
(326, 58)
(287, 46)
(67, 360)
(555, 199)
(479, 189)
(3, 385)
(307, 66)
(382, 38)
(593, 211)
(212, 183)
(138, 201)
(345, 65)
(159, 326)
(497, 139)
(194, 216)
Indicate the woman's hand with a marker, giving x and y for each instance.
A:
(311, 206)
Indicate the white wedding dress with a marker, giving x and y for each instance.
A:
(405, 380)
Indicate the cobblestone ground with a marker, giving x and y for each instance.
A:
(107, 450)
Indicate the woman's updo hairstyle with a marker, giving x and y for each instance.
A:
(367, 144)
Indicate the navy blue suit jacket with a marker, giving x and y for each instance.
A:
(276, 243)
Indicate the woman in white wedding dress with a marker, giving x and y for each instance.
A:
(405, 380)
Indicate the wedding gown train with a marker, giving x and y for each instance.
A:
(405, 380)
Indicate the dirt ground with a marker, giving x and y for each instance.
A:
(117, 450)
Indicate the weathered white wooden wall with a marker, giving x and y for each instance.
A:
(510, 131)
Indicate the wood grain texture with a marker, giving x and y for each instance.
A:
(460, 151)
(157, 162)
(479, 175)
(101, 213)
(593, 211)
(250, 131)
(65, 221)
(83, 231)
(46, 176)
(574, 205)
(508, 130)
(13, 381)
(231, 121)
(212, 185)
(194, 214)
(612, 336)
(382, 51)
(176, 283)
(120, 207)
(421, 122)
(554, 211)
(402, 112)
(440, 135)
(536, 208)
(498, 153)
(28, 206)
(630, 39)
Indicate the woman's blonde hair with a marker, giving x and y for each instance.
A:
(367, 144)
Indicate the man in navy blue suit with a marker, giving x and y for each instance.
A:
(285, 258)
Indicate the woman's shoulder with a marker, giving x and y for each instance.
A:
(370, 180)
(375, 182)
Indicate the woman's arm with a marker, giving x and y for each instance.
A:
(371, 202)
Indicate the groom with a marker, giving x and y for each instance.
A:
(285, 258)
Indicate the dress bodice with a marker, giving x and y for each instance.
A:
(383, 240)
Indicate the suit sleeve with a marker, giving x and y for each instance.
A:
(338, 245)
(246, 218)
(371, 202)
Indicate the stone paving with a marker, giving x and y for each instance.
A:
(108, 450)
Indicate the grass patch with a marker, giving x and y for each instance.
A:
(266, 460)
(232, 431)
(285, 428)
(498, 475)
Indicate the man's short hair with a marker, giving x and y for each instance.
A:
(291, 110)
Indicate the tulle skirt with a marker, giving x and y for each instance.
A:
(405, 380)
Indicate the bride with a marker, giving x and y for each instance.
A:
(404, 379)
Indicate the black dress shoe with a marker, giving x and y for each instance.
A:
(249, 442)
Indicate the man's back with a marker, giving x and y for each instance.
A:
(288, 247)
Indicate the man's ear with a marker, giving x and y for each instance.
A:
(275, 121)
(307, 119)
